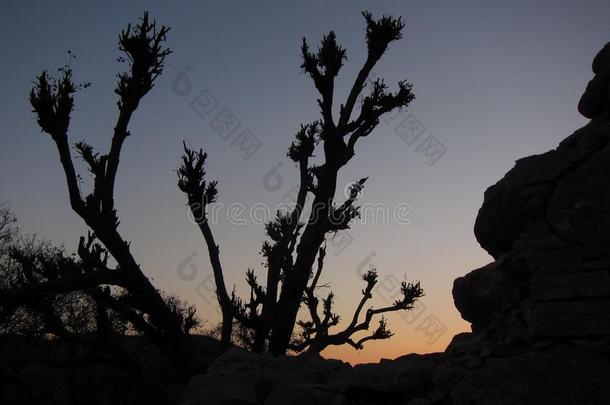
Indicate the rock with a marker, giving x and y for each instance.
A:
(474, 362)
(436, 398)
(596, 99)
(466, 342)
(518, 204)
(546, 225)
(242, 377)
(560, 261)
(572, 318)
(601, 61)
(517, 201)
(36, 370)
(446, 376)
(561, 375)
(383, 379)
(420, 401)
(578, 210)
(483, 292)
(571, 285)
(302, 395)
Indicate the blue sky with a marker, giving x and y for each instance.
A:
(494, 81)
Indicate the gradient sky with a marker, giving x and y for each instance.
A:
(494, 81)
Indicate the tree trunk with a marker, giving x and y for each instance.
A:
(311, 240)
(227, 326)
(138, 285)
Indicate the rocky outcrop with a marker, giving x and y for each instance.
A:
(128, 370)
(546, 223)
(595, 100)
(545, 373)
(254, 379)
(558, 374)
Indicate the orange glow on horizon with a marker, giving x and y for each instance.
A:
(404, 342)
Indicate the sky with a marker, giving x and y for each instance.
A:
(494, 82)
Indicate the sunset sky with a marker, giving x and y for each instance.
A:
(493, 83)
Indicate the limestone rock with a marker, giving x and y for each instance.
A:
(546, 224)
(241, 377)
(485, 291)
(587, 317)
(596, 99)
(560, 375)
(570, 285)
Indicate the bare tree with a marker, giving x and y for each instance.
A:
(315, 334)
(266, 320)
(199, 195)
(28, 266)
(270, 313)
(52, 101)
(8, 228)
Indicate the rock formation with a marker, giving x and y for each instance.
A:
(546, 223)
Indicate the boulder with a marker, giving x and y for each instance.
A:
(485, 291)
(546, 225)
(596, 99)
(559, 375)
(241, 377)
(570, 285)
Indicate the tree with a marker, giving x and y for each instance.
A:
(29, 265)
(8, 228)
(266, 320)
(316, 336)
(52, 101)
(27, 262)
(270, 313)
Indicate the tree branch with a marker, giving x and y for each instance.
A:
(53, 104)
(191, 181)
(143, 49)
(379, 34)
(31, 293)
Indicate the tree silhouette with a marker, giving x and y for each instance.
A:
(115, 295)
(164, 318)
(316, 336)
(270, 313)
